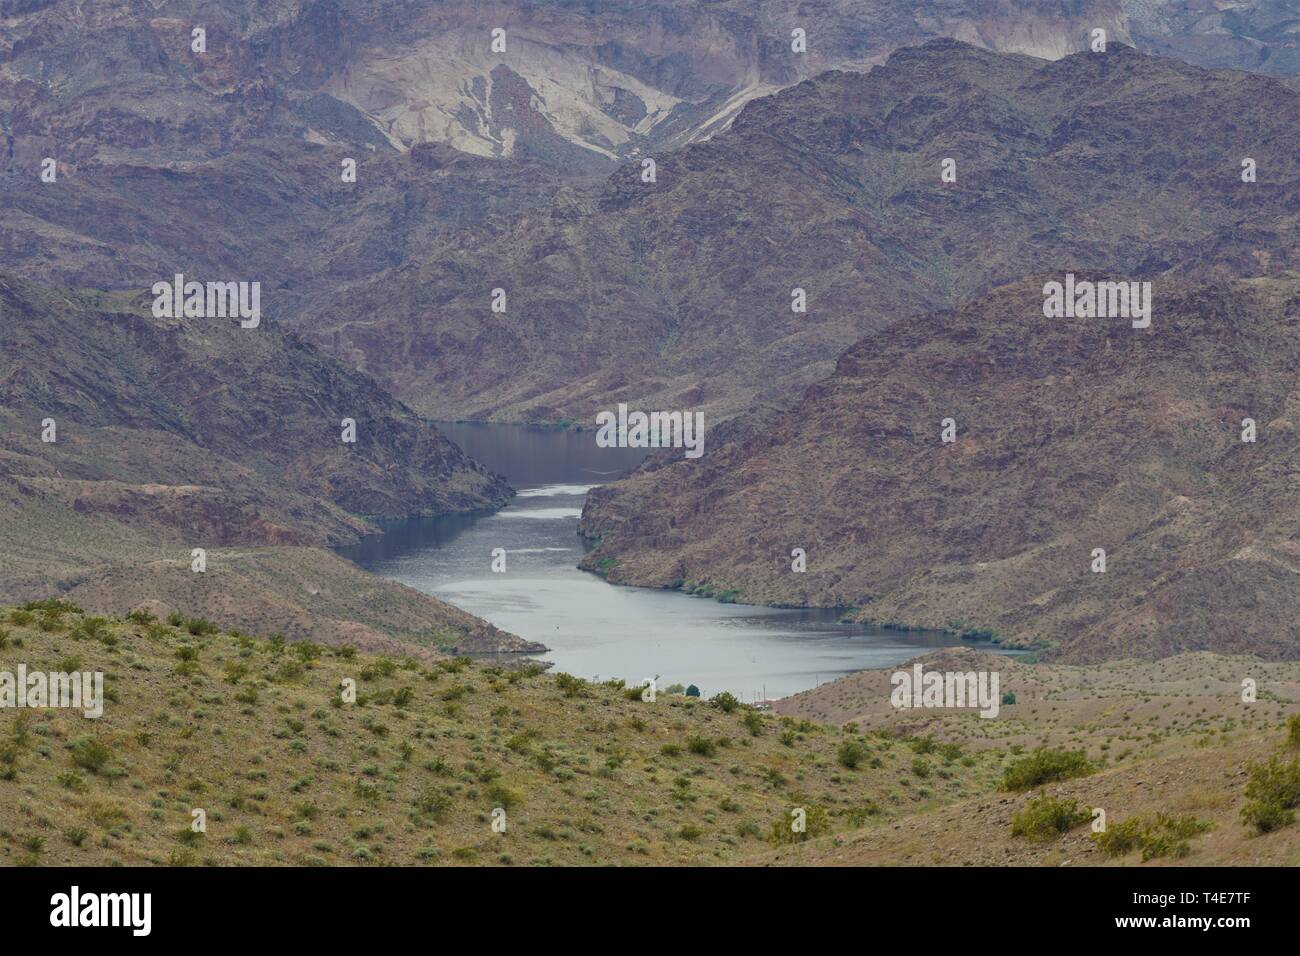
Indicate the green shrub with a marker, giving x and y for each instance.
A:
(701, 745)
(1266, 817)
(923, 745)
(817, 822)
(858, 815)
(1044, 818)
(570, 686)
(93, 628)
(950, 752)
(850, 754)
(8, 760)
(90, 754)
(289, 672)
(1045, 765)
(725, 702)
(235, 671)
(52, 606)
(1156, 836)
(433, 803)
(1273, 793)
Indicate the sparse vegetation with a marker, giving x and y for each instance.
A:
(1158, 835)
(1046, 765)
(1273, 793)
(577, 764)
(412, 771)
(1045, 818)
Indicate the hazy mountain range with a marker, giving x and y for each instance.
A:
(679, 293)
(578, 82)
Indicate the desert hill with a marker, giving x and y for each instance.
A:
(1070, 435)
(1171, 737)
(432, 750)
(171, 435)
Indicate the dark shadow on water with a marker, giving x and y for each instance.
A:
(529, 456)
(404, 535)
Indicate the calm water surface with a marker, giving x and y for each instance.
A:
(594, 629)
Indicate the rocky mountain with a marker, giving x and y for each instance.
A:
(128, 440)
(229, 157)
(573, 82)
(203, 402)
(514, 177)
(276, 211)
(1071, 435)
(479, 170)
(679, 293)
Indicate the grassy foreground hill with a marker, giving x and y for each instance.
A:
(257, 734)
(1175, 751)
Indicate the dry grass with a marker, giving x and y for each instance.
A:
(411, 773)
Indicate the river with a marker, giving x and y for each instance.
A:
(594, 629)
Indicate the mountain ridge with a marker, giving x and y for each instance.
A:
(833, 186)
(170, 435)
(1070, 435)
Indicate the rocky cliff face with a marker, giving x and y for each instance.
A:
(204, 403)
(1070, 435)
(678, 293)
(520, 170)
(277, 212)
